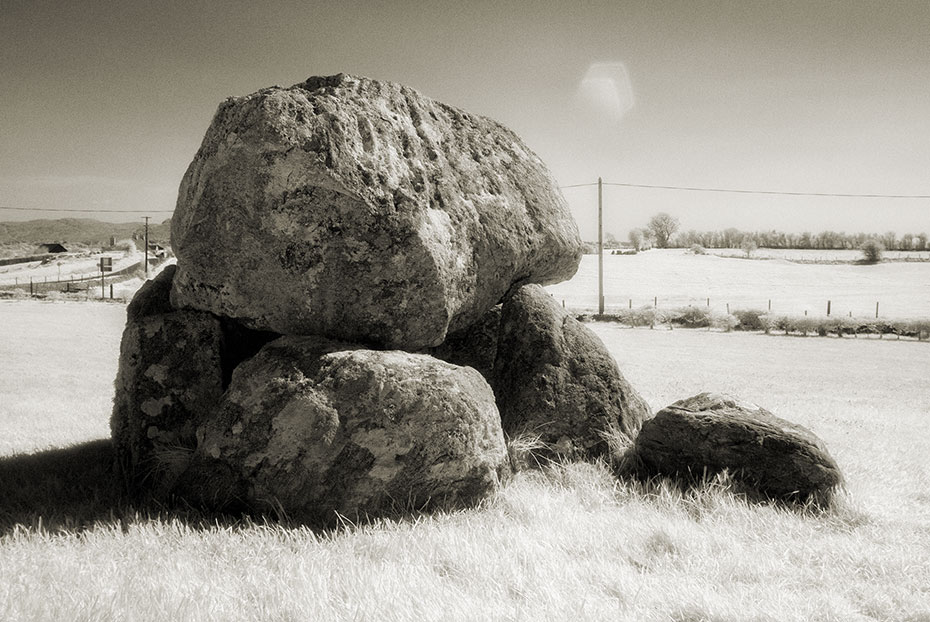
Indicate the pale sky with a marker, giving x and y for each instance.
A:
(104, 103)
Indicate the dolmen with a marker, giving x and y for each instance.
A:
(356, 323)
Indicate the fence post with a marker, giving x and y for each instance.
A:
(655, 302)
(111, 294)
(708, 302)
(770, 305)
(631, 303)
(728, 308)
(876, 310)
(828, 308)
(30, 287)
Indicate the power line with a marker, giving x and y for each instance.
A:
(577, 185)
(606, 183)
(765, 192)
(90, 211)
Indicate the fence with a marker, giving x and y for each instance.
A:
(839, 306)
(99, 285)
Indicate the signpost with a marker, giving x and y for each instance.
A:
(106, 265)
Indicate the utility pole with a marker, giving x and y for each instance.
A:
(600, 247)
(146, 246)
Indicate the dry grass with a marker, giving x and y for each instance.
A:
(567, 543)
(58, 364)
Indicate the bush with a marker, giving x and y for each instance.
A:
(751, 319)
(872, 251)
(914, 328)
(689, 317)
(697, 249)
(724, 321)
(780, 323)
(643, 316)
(803, 324)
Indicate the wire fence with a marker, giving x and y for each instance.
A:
(851, 306)
(98, 285)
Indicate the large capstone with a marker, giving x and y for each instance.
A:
(318, 429)
(555, 379)
(363, 211)
(765, 455)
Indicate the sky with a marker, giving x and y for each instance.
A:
(103, 103)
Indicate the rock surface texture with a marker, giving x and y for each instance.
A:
(709, 433)
(313, 427)
(170, 375)
(363, 211)
(355, 319)
(555, 378)
(174, 367)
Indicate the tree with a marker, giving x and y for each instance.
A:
(921, 241)
(889, 240)
(731, 237)
(748, 245)
(663, 226)
(641, 239)
(872, 250)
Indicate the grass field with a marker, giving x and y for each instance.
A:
(816, 255)
(678, 278)
(568, 543)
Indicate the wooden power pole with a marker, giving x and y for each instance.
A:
(600, 247)
(146, 246)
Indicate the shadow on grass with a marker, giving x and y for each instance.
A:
(74, 489)
(60, 489)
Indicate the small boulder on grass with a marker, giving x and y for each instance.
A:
(710, 433)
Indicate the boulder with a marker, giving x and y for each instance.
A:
(173, 368)
(363, 211)
(317, 429)
(554, 378)
(170, 374)
(709, 433)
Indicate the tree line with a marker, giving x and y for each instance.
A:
(662, 231)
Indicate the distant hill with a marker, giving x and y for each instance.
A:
(80, 231)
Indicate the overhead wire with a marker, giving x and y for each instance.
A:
(88, 211)
(760, 192)
(848, 195)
